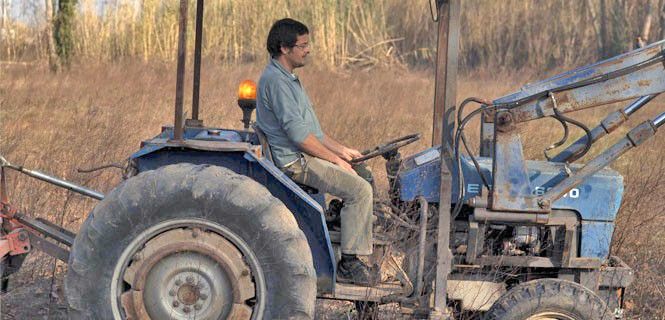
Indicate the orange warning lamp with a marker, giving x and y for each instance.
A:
(247, 100)
(247, 90)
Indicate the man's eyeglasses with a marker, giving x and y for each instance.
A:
(302, 46)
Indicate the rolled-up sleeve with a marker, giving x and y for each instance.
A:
(288, 111)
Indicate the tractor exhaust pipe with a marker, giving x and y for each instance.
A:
(178, 126)
(194, 121)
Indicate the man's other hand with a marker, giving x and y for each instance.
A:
(316, 148)
(345, 165)
(349, 154)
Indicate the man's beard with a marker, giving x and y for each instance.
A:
(298, 64)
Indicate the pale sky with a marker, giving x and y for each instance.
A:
(32, 11)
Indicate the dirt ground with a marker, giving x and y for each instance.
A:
(43, 299)
(34, 300)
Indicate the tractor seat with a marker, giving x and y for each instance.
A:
(268, 154)
(308, 189)
(263, 141)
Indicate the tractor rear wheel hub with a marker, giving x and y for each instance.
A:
(185, 274)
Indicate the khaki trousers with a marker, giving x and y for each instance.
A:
(355, 191)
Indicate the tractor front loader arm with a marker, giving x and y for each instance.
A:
(640, 73)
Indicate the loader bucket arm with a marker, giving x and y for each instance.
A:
(639, 73)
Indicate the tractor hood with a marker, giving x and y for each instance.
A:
(597, 198)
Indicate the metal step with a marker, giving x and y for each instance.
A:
(345, 291)
(336, 237)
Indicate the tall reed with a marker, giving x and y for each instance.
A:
(511, 34)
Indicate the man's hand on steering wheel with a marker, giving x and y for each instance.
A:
(349, 154)
(387, 147)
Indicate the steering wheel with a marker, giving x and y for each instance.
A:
(386, 147)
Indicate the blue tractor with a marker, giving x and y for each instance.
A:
(205, 226)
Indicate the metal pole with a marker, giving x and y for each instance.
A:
(53, 180)
(180, 76)
(422, 244)
(637, 104)
(3, 186)
(659, 120)
(197, 62)
(445, 91)
(444, 117)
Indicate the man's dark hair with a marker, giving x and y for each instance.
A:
(284, 33)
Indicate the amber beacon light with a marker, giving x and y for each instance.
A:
(247, 90)
(247, 100)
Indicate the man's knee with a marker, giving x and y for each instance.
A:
(364, 171)
(356, 190)
(365, 191)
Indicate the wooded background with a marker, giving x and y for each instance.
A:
(506, 34)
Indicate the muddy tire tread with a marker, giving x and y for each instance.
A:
(198, 191)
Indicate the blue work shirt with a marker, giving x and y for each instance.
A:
(284, 113)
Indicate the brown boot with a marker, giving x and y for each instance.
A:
(352, 270)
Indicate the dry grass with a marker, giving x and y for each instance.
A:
(98, 114)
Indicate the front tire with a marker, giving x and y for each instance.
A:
(190, 242)
(549, 299)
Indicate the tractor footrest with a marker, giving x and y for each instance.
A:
(344, 291)
(336, 237)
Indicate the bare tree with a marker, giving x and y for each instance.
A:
(604, 30)
(64, 36)
(5, 7)
(643, 38)
(591, 9)
(661, 17)
(48, 35)
(3, 14)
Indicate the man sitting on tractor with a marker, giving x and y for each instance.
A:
(305, 153)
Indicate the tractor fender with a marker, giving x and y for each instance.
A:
(307, 211)
(242, 159)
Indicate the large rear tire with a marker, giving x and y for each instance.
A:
(554, 299)
(190, 242)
